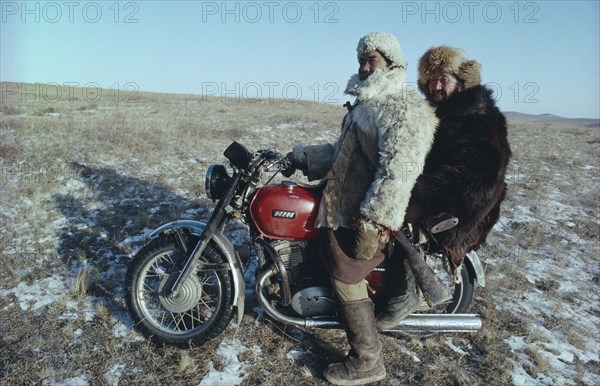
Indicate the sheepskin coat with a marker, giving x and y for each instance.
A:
(371, 169)
(465, 170)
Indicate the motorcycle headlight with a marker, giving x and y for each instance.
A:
(216, 182)
(238, 155)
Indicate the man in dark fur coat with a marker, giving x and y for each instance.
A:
(465, 169)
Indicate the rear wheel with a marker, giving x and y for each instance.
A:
(200, 312)
(461, 287)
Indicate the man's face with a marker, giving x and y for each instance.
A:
(442, 86)
(369, 62)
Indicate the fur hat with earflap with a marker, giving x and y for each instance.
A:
(383, 81)
(386, 44)
(451, 60)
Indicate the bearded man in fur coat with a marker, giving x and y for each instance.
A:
(369, 174)
(465, 171)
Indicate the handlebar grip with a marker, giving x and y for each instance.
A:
(270, 154)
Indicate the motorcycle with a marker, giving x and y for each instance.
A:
(187, 283)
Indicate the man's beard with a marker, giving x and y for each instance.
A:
(438, 96)
(381, 81)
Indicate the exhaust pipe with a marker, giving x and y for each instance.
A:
(262, 282)
(421, 323)
(434, 323)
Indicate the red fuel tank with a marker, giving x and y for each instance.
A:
(285, 211)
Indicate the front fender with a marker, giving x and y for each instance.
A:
(196, 228)
(473, 259)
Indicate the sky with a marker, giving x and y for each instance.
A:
(538, 56)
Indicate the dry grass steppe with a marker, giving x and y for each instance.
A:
(83, 179)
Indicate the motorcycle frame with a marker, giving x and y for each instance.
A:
(414, 322)
(212, 231)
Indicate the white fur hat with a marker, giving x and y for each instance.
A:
(385, 43)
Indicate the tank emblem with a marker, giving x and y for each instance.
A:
(283, 213)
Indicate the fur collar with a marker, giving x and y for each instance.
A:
(380, 84)
(473, 101)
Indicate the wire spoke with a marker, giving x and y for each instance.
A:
(203, 296)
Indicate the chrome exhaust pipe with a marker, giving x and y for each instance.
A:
(422, 323)
(434, 323)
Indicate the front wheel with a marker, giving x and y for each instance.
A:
(200, 312)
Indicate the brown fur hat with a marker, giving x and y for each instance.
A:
(451, 60)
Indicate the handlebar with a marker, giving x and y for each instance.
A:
(275, 158)
(270, 154)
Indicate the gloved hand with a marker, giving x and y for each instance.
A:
(293, 165)
(367, 235)
(297, 161)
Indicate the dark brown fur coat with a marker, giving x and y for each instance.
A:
(465, 170)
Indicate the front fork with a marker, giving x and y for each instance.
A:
(214, 223)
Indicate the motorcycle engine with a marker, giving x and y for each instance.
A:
(311, 298)
(290, 253)
(314, 301)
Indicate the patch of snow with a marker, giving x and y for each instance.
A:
(294, 125)
(520, 376)
(233, 369)
(113, 376)
(120, 331)
(193, 212)
(72, 185)
(456, 349)
(294, 355)
(75, 309)
(134, 243)
(77, 333)
(74, 381)
(286, 126)
(39, 293)
(411, 354)
(260, 314)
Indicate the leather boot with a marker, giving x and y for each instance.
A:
(364, 363)
(402, 301)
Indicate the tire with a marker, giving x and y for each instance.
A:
(201, 311)
(462, 290)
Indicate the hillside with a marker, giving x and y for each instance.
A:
(552, 119)
(85, 179)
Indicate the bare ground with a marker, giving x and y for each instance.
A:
(81, 181)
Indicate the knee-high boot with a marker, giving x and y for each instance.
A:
(364, 363)
(403, 298)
